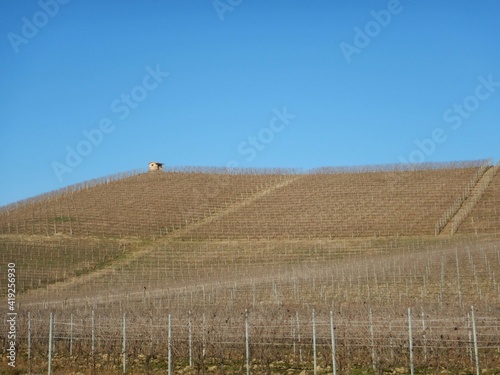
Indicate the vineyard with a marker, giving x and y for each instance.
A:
(376, 270)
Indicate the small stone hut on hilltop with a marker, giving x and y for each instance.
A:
(154, 166)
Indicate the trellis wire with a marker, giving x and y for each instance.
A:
(318, 330)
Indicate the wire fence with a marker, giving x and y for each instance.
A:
(397, 167)
(319, 341)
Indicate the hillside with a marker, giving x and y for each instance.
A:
(143, 205)
(210, 248)
(215, 204)
(318, 205)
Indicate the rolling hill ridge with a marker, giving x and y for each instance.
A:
(208, 203)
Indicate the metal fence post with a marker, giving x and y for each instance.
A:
(410, 339)
(332, 334)
(474, 333)
(50, 345)
(247, 342)
(124, 344)
(314, 341)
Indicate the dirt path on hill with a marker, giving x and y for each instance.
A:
(233, 207)
(470, 202)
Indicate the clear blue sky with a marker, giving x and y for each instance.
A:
(91, 88)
